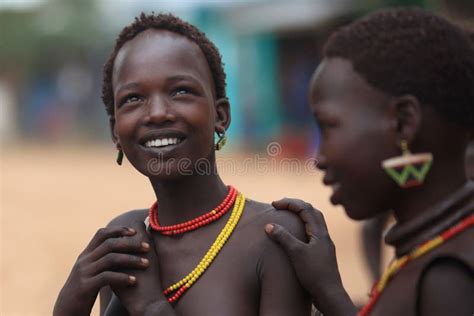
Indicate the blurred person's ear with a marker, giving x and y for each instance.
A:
(223, 116)
(407, 117)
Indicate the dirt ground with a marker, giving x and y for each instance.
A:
(54, 198)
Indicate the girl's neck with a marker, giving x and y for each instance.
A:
(182, 199)
(439, 183)
(444, 214)
(419, 200)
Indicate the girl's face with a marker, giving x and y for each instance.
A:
(357, 129)
(165, 108)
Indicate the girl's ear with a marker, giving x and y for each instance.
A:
(114, 133)
(222, 115)
(407, 117)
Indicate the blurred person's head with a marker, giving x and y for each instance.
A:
(395, 75)
(164, 91)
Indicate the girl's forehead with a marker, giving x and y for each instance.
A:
(337, 88)
(158, 49)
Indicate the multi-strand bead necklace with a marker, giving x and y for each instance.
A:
(195, 223)
(396, 265)
(176, 290)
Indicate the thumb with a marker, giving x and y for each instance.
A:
(283, 237)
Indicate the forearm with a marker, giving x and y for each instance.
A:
(115, 308)
(160, 308)
(71, 305)
(335, 303)
(68, 311)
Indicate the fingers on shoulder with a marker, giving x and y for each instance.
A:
(291, 204)
(308, 220)
(290, 222)
(287, 240)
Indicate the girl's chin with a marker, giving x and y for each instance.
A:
(164, 174)
(359, 213)
(354, 215)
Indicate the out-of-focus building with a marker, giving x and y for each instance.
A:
(52, 55)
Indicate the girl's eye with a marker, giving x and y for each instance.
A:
(181, 91)
(131, 99)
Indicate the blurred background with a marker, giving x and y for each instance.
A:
(59, 180)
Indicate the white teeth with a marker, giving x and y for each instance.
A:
(162, 142)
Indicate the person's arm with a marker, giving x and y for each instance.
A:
(96, 267)
(314, 261)
(280, 291)
(446, 288)
(159, 308)
(146, 296)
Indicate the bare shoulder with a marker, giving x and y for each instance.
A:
(446, 286)
(258, 214)
(280, 291)
(129, 217)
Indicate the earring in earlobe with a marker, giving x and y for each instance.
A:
(119, 157)
(221, 142)
(408, 170)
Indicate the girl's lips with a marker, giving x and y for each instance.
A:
(161, 134)
(162, 151)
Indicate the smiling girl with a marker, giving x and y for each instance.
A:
(204, 252)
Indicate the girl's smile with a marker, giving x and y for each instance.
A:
(164, 100)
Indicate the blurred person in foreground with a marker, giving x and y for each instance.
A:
(394, 99)
(203, 251)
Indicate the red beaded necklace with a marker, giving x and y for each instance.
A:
(195, 223)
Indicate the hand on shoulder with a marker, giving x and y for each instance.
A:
(110, 250)
(313, 259)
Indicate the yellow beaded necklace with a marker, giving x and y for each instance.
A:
(185, 283)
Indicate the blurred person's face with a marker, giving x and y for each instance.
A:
(470, 161)
(165, 114)
(356, 135)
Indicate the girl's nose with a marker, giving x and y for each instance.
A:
(159, 111)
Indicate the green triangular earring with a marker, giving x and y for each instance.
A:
(120, 157)
(221, 142)
(408, 170)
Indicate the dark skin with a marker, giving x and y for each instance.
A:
(371, 234)
(163, 88)
(470, 160)
(355, 119)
